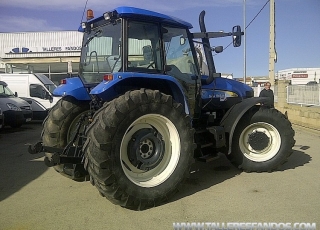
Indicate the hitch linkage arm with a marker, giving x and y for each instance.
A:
(72, 153)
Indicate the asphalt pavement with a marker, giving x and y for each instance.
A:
(33, 196)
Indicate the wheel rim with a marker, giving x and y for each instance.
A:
(150, 150)
(260, 142)
(73, 126)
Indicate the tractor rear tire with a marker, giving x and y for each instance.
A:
(263, 142)
(58, 128)
(139, 149)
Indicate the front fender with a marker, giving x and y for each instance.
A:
(73, 87)
(235, 113)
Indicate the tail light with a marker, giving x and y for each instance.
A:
(108, 77)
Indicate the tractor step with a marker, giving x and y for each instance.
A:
(208, 158)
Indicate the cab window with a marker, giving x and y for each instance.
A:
(144, 47)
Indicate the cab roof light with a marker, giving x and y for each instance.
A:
(90, 14)
(108, 77)
(107, 16)
(83, 25)
(110, 16)
(63, 81)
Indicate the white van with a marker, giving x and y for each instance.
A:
(34, 88)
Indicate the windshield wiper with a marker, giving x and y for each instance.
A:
(93, 36)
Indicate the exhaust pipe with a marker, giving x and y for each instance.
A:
(207, 50)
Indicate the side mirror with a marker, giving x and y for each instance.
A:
(236, 36)
(218, 49)
(47, 96)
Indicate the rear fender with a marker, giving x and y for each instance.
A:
(73, 87)
(122, 82)
(235, 113)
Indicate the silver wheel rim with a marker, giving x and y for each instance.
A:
(171, 154)
(266, 153)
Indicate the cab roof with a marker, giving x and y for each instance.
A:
(145, 15)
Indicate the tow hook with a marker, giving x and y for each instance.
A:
(37, 148)
(55, 160)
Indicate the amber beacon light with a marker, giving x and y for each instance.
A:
(90, 14)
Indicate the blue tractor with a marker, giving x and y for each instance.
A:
(141, 111)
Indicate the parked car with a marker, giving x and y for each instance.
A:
(15, 111)
(312, 83)
(35, 88)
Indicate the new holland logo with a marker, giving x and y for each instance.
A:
(20, 50)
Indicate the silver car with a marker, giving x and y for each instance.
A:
(15, 111)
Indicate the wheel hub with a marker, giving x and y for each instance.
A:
(146, 149)
(258, 140)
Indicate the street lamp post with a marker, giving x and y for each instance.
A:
(244, 43)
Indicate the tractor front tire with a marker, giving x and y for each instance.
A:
(263, 142)
(58, 128)
(139, 149)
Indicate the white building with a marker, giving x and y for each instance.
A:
(299, 76)
(55, 54)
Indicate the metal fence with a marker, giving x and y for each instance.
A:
(303, 94)
(308, 95)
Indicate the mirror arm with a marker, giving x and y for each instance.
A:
(211, 34)
(215, 34)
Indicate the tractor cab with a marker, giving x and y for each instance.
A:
(124, 40)
(133, 46)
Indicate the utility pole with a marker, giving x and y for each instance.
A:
(244, 43)
(272, 53)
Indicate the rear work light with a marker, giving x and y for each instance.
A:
(63, 81)
(108, 77)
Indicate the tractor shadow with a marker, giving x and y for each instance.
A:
(298, 158)
(24, 128)
(206, 175)
(18, 168)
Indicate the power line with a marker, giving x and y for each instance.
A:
(257, 14)
(254, 18)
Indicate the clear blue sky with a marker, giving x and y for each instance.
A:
(297, 26)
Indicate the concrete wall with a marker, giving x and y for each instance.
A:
(307, 116)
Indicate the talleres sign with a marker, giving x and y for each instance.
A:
(61, 48)
(43, 49)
